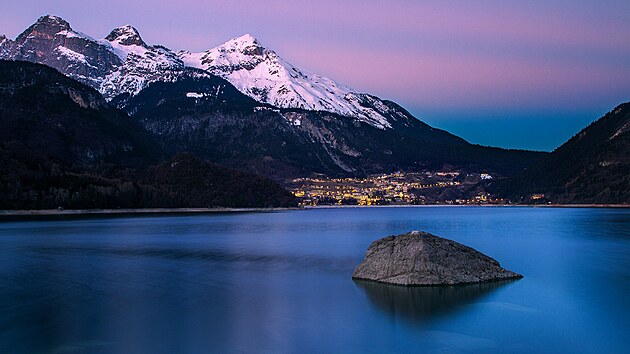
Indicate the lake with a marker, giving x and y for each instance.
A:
(281, 282)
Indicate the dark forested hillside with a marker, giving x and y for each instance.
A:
(45, 110)
(62, 145)
(592, 167)
(31, 180)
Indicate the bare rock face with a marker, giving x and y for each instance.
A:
(52, 42)
(421, 259)
(126, 35)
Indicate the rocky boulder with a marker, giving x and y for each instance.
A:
(421, 259)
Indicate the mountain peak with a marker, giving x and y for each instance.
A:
(246, 44)
(262, 74)
(126, 35)
(247, 39)
(55, 21)
(46, 27)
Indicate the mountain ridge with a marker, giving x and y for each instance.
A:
(338, 130)
(123, 63)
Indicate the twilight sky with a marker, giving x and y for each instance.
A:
(515, 74)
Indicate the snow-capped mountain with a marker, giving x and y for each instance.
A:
(123, 63)
(143, 63)
(51, 41)
(242, 105)
(263, 75)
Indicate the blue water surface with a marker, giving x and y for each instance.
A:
(280, 282)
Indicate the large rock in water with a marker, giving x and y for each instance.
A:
(419, 258)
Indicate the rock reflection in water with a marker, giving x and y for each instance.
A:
(422, 303)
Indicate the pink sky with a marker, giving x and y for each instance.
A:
(497, 61)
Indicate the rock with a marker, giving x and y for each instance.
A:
(126, 35)
(421, 259)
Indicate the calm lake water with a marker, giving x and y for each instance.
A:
(281, 282)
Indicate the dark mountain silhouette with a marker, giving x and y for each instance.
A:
(62, 145)
(592, 167)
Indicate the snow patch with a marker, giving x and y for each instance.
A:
(260, 109)
(608, 163)
(123, 51)
(75, 34)
(623, 129)
(195, 95)
(71, 54)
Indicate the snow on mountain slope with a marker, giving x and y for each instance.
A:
(263, 75)
(142, 64)
(120, 63)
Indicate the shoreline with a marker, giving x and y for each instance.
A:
(8, 214)
(576, 206)
(27, 214)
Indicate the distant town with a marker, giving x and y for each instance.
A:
(400, 188)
